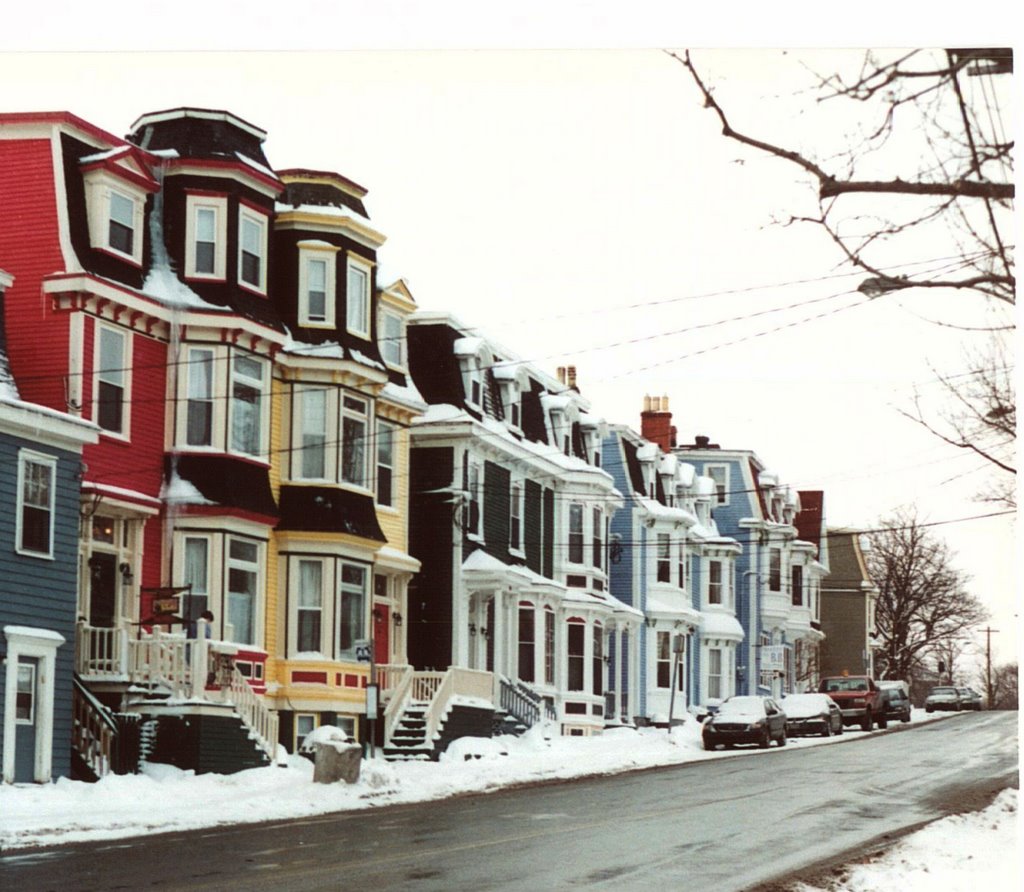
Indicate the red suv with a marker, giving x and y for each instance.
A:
(859, 699)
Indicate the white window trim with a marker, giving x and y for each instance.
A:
(245, 212)
(369, 444)
(98, 187)
(261, 453)
(367, 627)
(364, 266)
(476, 533)
(25, 456)
(326, 587)
(218, 364)
(219, 205)
(259, 596)
(41, 645)
(582, 533)
(722, 499)
(723, 585)
(126, 369)
(517, 502)
(379, 424)
(384, 338)
(330, 431)
(318, 250)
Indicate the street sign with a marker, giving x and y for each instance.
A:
(363, 651)
(773, 657)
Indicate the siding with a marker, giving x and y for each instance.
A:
(496, 511)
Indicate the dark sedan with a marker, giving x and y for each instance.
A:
(745, 719)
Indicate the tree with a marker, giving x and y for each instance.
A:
(1004, 687)
(926, 162)
(923, 610)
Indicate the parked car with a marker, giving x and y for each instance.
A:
(808, 714)
(897, 704)
(942, 698)
(858, 697)
(970, 699)
(745, 719)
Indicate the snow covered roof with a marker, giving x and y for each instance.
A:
(715, 624)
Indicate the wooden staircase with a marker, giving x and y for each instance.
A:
(408, 741)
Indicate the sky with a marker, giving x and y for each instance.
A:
(554, 181)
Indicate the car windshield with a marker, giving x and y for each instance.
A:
(845, 684)
(944, 691)
(742, 706)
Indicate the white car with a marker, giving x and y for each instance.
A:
(808, 714)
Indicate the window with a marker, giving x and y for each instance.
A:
(575, 657)
(351, 610)
(353, 441)
(305, 724)
(549, 646)
(197, 575)
(392, 339)
(527, 634)
(714, 582)
(597, 660)
(309, 606)
(385, 463)
(596, 531)
(720, 475)
(515, 520)
(472, 514)
(317, 265)
(247, 388)
(199, 410)
(798, 585)
(681, 568)
(252, 249)
(714, 673)
(357, 299)
(664, 558)
(313, 412)
(121, 229)
(576, 533)
(205, 236)
(112, 361)
(25, 696)
(36, 493)
(775, 569)
(243, 577)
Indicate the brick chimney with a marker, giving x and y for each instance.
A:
(656, 422)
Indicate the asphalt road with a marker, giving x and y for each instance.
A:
(724, 824)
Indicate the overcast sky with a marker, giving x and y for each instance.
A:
(583, 208)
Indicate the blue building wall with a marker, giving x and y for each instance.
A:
(40, 592)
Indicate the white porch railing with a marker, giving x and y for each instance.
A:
(396, 703)
(456, 682)
(101, 652)
(253, 711)
(390, 676)
(163, 660)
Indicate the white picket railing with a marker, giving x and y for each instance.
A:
(456, 682)
(396, 704)
(260, 720)
(162, 660)
(390, 676)
(101, 652)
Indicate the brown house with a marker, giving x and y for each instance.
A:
(847, 608)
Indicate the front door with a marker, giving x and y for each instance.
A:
(102, 589)
(26, 720)
(381, 636)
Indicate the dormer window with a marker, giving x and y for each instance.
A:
(357, 298)
(316, 284)
(392, 339)
(122, 223)
(206, 237)
(474, 357)
(116, 215)
(720, 475)
(252, 249)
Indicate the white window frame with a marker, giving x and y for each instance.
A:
(218, 205)
(386, 432)
(100, 185)
(516, 503)
(299, 607)
(721, 488)
(192, 365)
(354, 325)
(261, 387)
(474, 496)
(201, 588)
(313, 717)
(255, 567)
(350, 413)
(576, 534)
(391, 345)
(365, 630)
(720, 585)
(718, 676)
(663, 559)
(248, 214)
(124, 370)
(302, 398)
(26, 457)
(321, 252)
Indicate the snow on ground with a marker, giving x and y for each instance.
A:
(164, 798)
(961, 853)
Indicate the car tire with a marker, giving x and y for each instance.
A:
(865, 723)
(828, 729)
(708, 745)
(782, 739)
(928, 709)
(883, 721)
(842, 728)
(765, 740)
(905, 719)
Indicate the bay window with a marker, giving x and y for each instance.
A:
(385, 463)
(715, 582)
(357, 299)
(242, 593)
(247, 391)
(206, 236)
(252, 249)
(309, 606)
(527, 637)
(575, 533)
(664, 570)
(351, 609)
(199, 410)
(353, 441)
(313, 412)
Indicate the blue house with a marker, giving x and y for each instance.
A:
(40, 473)
(672, 564)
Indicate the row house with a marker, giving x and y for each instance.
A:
(777, 575)
(222, 325)
(40, 474)
(510, 512)
(676, 567)
(848, 599)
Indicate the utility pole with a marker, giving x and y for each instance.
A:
(988, 663)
